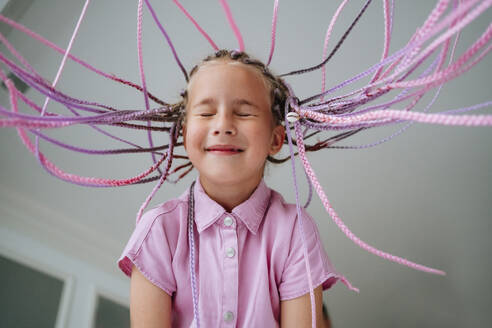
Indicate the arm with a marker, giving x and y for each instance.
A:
(297, 312)
(150, 306)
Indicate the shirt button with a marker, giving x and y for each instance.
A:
(230, 252)
(228, 221)
(228, 316)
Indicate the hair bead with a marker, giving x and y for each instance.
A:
(293, 117)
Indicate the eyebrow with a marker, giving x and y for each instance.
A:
(242, 101)
(206, 101)
(236, 102)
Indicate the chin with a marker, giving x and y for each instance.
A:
(225, 177)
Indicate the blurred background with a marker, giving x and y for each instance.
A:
(425, 195)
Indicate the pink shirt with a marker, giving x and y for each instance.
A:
(247, 261)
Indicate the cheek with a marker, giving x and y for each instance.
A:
(193, 135)
(263, 134)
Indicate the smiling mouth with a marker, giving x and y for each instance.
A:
(226, 150)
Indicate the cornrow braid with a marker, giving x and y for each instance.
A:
(278, 90)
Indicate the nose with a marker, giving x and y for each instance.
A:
(224, 125)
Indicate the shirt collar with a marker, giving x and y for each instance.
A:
(250, 212)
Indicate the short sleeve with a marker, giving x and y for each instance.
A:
(150, 251)
(294, 281)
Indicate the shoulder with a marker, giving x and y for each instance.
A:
(165, 220)
(284, 215)
(154, 240)
(169, 210)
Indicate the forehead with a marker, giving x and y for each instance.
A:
(228, 77)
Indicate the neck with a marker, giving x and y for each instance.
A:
(229, 195)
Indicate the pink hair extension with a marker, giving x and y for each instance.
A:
(80, 180)
(99, 152)
(16, 54)
(390, 115)
(417, 94)
(453, 70)
(325, 46)
(431, 20)
(232, 23)
(51, 45)
(339, 222)
(438, 10)
(446, 75)
(105, 118)
(447, 34)
(57, 172)
(300, 226)
(140, 56)
(32, 125)
(451, 18)
(387, 37)
(198, 27)
(45, 89)
(172, 136)
(427, 52)
(274, 31)
(354, 79)
(53, 169)
(168, 39)
(60, 69)
(142, 74)
(459, 110)
(65, 55)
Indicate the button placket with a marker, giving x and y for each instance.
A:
(230, 271)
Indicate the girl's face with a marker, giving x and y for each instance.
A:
(229, 129)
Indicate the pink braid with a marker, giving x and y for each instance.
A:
(442, 76)
(443, 119)
(53, 46)
(387, 37)
(16, 54)
(22, 123)
(142, 74)
(53, 168)
(198, 27)
(325, 46)
(274, 31)
(454, 69)
(426, 27)
(60, 69)
(339, 222)
(232, 23)
(446, 35)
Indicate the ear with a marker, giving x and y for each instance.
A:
(278, 137)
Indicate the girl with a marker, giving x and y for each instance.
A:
(245, 248)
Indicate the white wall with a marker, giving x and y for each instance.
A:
(83, 281)
(424, 196)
